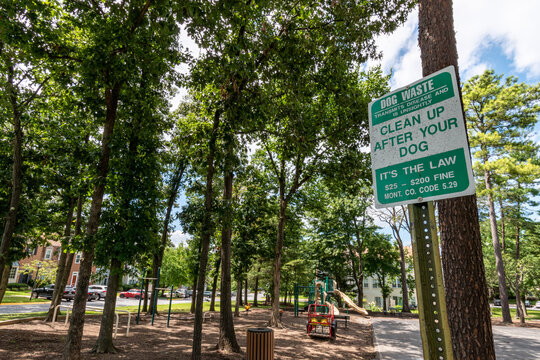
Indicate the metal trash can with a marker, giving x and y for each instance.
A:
(260, 344)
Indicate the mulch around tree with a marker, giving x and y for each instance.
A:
(40, 340)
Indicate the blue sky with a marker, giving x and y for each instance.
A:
(491, 34)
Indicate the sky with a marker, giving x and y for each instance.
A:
(501, 35)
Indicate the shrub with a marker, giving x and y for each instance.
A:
(17, 287)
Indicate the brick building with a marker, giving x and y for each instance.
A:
(44, 253)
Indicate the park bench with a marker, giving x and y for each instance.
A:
(342, 318)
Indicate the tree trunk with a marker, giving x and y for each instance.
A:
(404, 290)
(246, 291)
(214, 285)
(501, 274)
(104, 343)
(62, 264)
(274, 319)
(256, 287)
(145, 299)
(72, 349)
(193, 293)
(238, 297)
(16, 176)
(360, 250)
(503, 225)
(207, 230)
(155, 266)
(4, 281)
(158, 257)
(357, 280)
(227, 336)
(461, 246)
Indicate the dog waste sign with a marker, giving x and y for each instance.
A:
(419, 148)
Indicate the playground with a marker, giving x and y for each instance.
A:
(39, 340)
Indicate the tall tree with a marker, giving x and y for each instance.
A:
(461, 247)
(24, 73)
(397, 219)
(116, 38)
(500, 114)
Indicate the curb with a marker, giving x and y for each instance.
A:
(28, 319)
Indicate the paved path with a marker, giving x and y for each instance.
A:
(399, 339)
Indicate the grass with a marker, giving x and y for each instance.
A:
(20, 297)
(531, 314)
(175, 308)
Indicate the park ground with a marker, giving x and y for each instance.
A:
(39, 340)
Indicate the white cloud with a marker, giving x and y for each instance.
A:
(178, 237)
(479, 25)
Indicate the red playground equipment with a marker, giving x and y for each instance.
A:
(321, 322)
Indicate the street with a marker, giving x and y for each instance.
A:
(399, 339)
(44, 306)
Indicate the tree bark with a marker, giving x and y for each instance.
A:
(357, 280)
(207, 230)
(274, 319)
(256, 287)
(404, 289)
(62, 264)
(72, 348)
(104, 343)
(145, 299)
(193, 293)
(214, 284)
(461, 246)
(246, 291)
(360, 250)
(158, 257)
(4, 281)
(227, 336)
(503, 225)
(501, 273)
(16, 175)
(238, 297)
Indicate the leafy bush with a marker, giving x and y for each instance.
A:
(17, 287)
(374, 308)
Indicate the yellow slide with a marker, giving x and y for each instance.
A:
(351, 303)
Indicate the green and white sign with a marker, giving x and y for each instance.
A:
(419, 148)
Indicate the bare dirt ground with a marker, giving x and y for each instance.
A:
(39, 340)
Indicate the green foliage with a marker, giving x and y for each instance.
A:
(46, 274)
(174, 269)
(17, 287)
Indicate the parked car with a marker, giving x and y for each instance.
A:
(180, 293)
(132, 293)
(496, 302)
(537, 305)
(527, 303)
(189, 293)
(44, 292)
(69, 294)
(101, 290)
(207, 293)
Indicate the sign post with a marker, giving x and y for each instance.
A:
(419, 154)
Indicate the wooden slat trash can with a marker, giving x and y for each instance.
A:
(260, 344)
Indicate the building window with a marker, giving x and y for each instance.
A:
(378, 301)
(375, 283)
(48, 254)
(13, 273)
(398, 300)
(78, 258)
(366, 282)
(396, 283)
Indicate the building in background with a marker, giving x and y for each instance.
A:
(44, 253)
